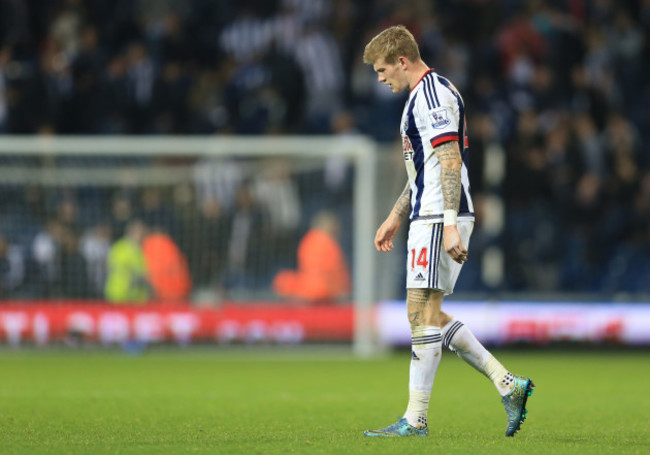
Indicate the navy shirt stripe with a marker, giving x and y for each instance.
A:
(418, 156)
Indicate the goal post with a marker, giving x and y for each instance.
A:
(59, 165)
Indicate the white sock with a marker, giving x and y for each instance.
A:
(460, 339)
(426, 343)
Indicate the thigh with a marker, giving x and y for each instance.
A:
(423, 255)
(448, 269)
(428, 266)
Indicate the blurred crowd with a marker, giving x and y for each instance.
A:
(224, 232)
(556, 90)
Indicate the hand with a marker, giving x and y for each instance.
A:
(386, 232)
(453, 244)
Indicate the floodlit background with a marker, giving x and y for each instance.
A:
(145, 245)
(189, 191)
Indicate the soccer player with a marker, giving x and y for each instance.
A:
(437, 197)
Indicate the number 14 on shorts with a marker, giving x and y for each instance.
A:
(422, 258)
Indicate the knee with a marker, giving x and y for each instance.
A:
(436, 320)
(422, 318)
(444, 319)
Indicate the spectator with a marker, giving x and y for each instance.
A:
(5, 57)
(12, 268)
(94, 246)
(154, 212)
(248, 242)
(322, 273)
(121, 213)
(170, 99)
(86, 105)
(140, 76)
(167, 269)
(321, 62)
(338, 169)
(247, 37)
(218, 179)
(207, 246)
(127, 269)
(115, 91)
(46, 251)
(74, 271)
(277, 194)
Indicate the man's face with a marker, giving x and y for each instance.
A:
(391, 75)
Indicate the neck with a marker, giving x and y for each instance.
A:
(417, 72)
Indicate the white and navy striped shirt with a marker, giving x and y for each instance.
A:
(434, 113)
(246, 37)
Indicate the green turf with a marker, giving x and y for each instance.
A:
(210, 402)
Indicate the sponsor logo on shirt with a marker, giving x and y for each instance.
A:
(408, 148)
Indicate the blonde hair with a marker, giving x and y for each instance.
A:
(390, 44)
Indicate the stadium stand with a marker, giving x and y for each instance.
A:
(559, 87)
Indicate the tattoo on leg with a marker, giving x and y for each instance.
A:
(414, 318)
(417, 300)
(418, 296)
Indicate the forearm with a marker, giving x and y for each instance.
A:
(388, 229)
(450, 162)
(448, 154)
(403, 204)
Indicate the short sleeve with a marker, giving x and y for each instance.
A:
(441, 119)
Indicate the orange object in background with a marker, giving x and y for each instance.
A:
(167, 268)
(322, 271)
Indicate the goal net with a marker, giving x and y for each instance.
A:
(186, 239)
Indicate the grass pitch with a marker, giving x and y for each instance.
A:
(265, 402)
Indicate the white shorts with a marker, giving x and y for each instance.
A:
(428, 266)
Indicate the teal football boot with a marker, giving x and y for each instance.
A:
(398, 429)
(515, 403)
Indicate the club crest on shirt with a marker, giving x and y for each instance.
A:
(439, 118)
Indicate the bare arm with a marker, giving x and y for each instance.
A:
(403, 203)
(448, 154)
(388, 229)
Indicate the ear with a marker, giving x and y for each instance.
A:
(403, 62)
